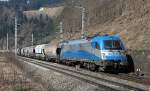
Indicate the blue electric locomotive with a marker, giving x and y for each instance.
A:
(105, 53)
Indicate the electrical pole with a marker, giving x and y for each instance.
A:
(32, 39)
(15, 36)
(83, 23)
(61, 31)
(83, 11)
(7, 42)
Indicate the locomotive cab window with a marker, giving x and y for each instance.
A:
(95, 45)
(112, 44)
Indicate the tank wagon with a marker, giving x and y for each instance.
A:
(43, 52)
(105, 53)
(46, 52)
(50, 51)
(40, 51)
(27, 51)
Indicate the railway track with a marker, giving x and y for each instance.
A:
(101, 80)
(130, 77)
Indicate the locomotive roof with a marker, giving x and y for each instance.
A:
(76, 41)
(94, 38)
(106, 37)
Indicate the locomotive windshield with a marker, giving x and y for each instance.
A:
(112, 45)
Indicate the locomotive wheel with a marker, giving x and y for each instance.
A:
(92, 67)
(81, 64)
(88, 66)
(58, 59)
(71, 63)
(85, 65)
(116, 68)
(102, 69)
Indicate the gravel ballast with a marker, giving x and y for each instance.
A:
(55, 81)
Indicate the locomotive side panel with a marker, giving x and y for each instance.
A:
(79, 50)
(107, 52)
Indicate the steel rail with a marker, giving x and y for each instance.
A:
(101, 82)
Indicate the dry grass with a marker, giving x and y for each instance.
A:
(12, 77)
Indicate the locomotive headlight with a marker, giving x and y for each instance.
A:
(103, 55)
(124, 63)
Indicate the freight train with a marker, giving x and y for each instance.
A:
(100, 52)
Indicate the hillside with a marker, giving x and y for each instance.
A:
(42, 23)
(132, 24)
(128, 18)
(26, 26)
(45, 11)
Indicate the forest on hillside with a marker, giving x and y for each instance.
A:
(15, 8)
